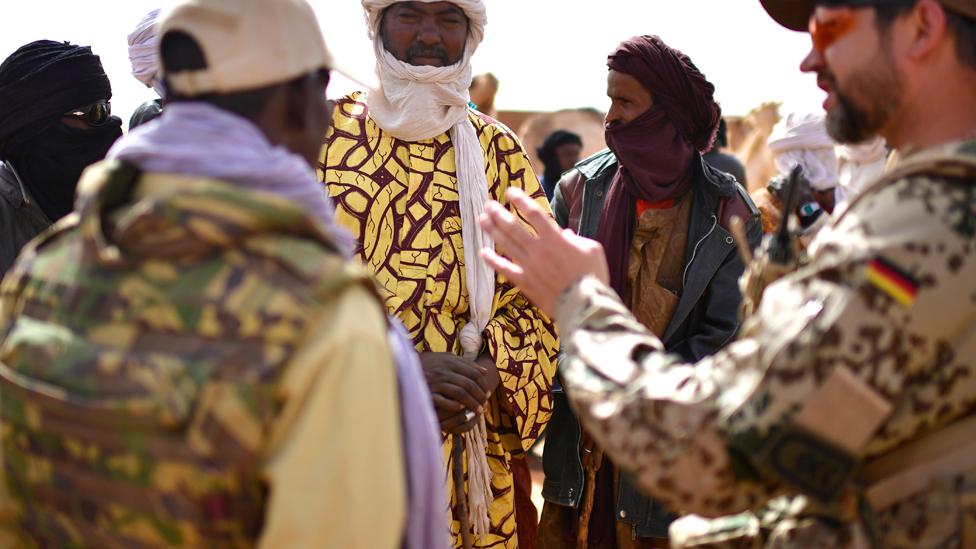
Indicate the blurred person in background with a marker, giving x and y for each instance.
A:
(144, 58)
(55, 120)
(720, 159)
(558, 153)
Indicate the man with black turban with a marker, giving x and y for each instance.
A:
(663, 216)
(55, 120)
(558, 153)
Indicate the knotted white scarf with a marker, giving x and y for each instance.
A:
(422, 102)
(859, 165)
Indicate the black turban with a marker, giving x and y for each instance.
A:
(675, 83)
(45, 79)
(547, 154)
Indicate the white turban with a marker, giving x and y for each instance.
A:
(803, 140)
(144, 52)
(421, 102)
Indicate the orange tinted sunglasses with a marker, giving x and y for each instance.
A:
(828, 25)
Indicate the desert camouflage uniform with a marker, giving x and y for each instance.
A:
(181, 364)
(835, 371)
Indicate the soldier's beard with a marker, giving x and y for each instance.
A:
(867, 102)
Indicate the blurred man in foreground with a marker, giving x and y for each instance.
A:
(190, 358)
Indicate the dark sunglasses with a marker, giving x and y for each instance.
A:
(95, 114)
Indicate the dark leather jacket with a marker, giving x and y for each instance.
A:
(705, 320)
(20, 218)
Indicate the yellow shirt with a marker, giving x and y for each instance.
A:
(400, 200)
(336, 465)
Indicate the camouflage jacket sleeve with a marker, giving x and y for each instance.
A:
(335, 466)
(520, 338)
(889, 296)
(8, 512)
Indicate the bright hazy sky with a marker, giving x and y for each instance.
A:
(548, 54)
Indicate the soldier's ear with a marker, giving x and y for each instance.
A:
(927, 25)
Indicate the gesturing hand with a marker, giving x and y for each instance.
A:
(543, 265)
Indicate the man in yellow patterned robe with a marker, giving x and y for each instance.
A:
(398, 189)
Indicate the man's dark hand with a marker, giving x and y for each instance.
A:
(457, 385)
(489, 372)
(460, 422)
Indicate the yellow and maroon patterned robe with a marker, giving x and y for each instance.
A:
(400, 199)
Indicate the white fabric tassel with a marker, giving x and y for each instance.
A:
(473, 196)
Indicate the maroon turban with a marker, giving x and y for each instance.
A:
(675, 83)
(655, 151)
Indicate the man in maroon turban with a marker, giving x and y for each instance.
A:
(663, 216)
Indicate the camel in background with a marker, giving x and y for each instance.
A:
(748, 136)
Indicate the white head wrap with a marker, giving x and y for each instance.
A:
(859, 165)
(802, 139)
(144, 53)
(421, 102)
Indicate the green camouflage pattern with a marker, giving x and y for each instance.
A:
(143, 339)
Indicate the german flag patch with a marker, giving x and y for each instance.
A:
(887, 277)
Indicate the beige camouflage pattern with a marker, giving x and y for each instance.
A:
(680, 427)
(143, 341)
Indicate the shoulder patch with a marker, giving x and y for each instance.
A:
(892, 280)
(808, 463)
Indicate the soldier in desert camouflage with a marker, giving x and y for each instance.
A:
(843, 416)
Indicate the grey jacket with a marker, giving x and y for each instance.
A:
(20, 218)
(705, 319)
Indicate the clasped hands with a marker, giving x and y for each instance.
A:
(460, 388)
(543, 261)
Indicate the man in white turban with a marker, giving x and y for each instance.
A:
(800, 140)
(410, 166)
(144, 57)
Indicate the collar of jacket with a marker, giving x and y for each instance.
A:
(125, 214)
(10, 187)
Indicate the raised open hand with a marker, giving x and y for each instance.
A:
(543, 265)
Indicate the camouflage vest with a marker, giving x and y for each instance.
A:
(140, 358)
